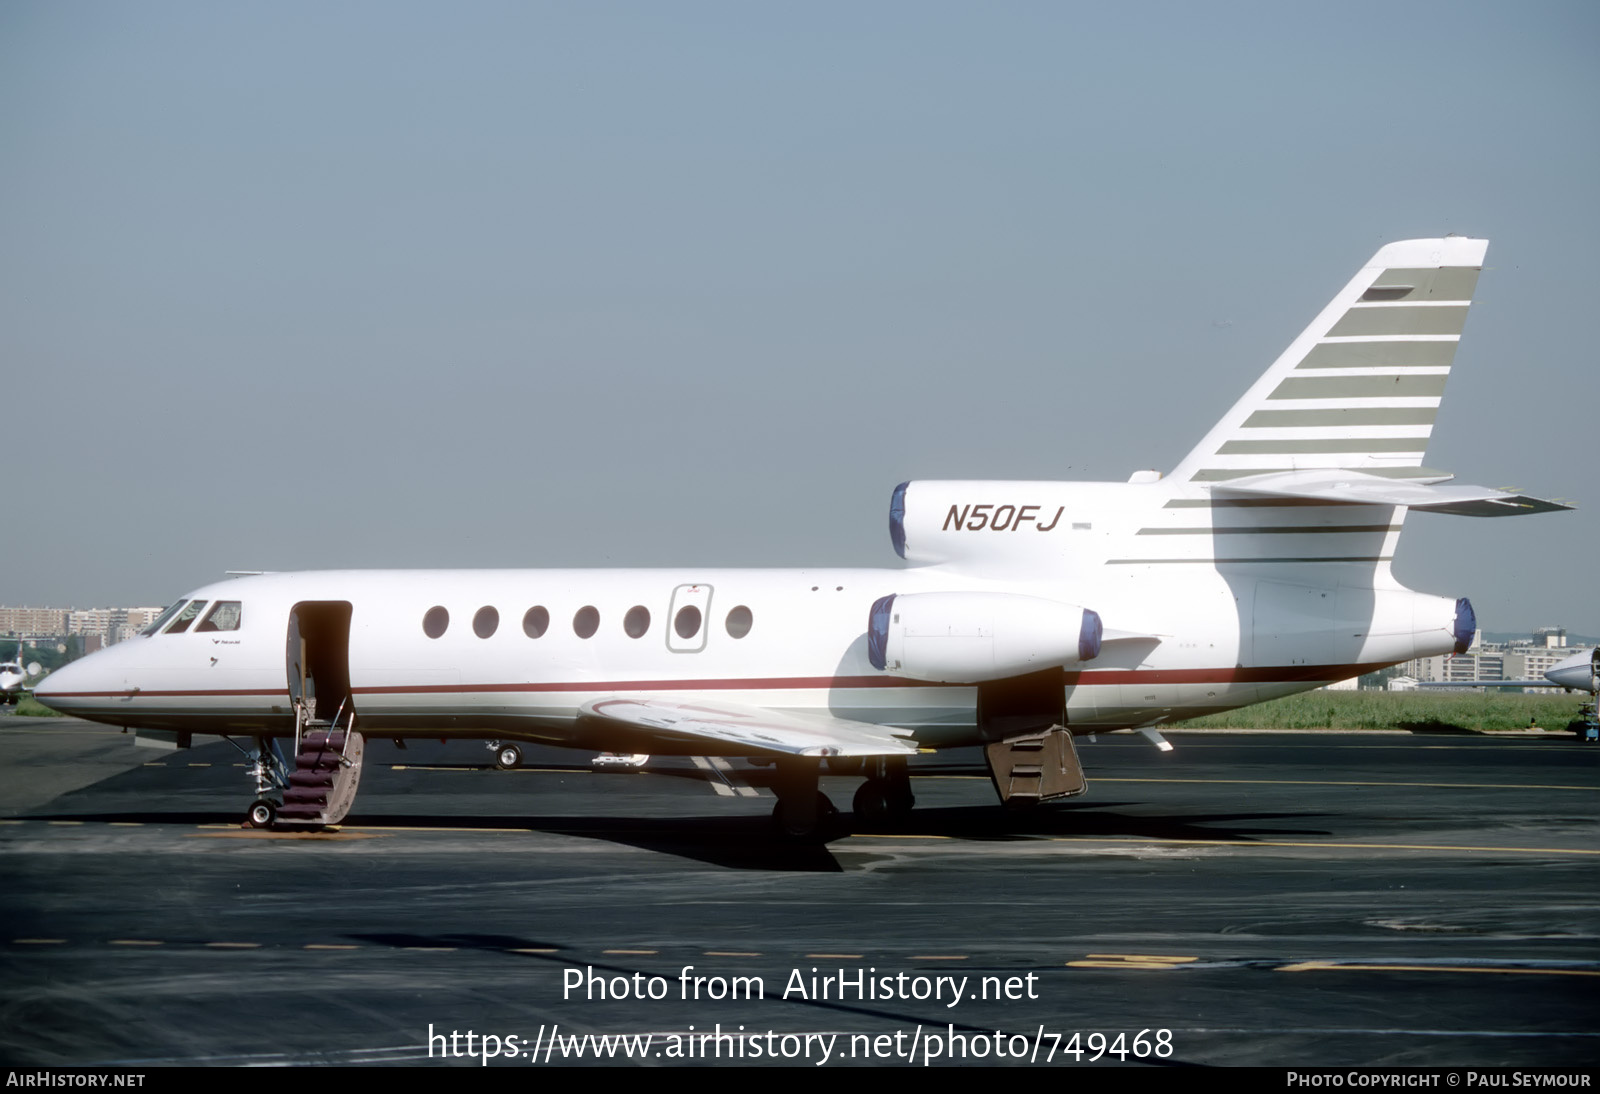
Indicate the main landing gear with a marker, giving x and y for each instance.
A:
(804, 814)
(886, 795)
(506, 755)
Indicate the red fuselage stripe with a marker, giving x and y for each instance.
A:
(1279, 674)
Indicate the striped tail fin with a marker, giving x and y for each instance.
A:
(1359, 389)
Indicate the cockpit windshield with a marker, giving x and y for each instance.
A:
(224, 616)
(185, 617)
(164, 618)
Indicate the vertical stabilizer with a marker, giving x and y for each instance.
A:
(1359, 389)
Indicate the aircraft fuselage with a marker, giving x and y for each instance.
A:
(1215, 641)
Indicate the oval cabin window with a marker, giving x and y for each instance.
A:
(687, 623)
(535, 622)
(637, 621)
(436, 622)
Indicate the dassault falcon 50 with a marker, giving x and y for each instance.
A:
(1031, 612)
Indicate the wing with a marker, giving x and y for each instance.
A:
(716, 723)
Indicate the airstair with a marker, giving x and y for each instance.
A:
(327, 768)
(1035, 767)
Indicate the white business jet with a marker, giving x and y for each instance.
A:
(12, 676)
(1033, 611)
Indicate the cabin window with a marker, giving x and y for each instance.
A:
(536, 621)
(436, 622)
(739, 621)
(224, 616)
(161, 620)
(687, 623)
(637, 621)
(185, 617)
(586, 622)
(485, 622)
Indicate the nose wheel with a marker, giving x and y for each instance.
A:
(507, 757)
(262, 813)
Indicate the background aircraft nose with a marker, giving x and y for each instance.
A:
(1575, 672)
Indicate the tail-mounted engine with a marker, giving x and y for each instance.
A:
(971, 638)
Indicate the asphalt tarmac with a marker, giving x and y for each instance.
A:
(1280, 899)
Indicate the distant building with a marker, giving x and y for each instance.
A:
(1533, 662)
(1492, 662)
(29, 621)
(105, 625)
(1550, 637)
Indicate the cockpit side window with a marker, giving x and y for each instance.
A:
(223, 616)
(164, 618)
(185, 617)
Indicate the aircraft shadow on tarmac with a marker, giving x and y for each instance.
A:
(745, 842)
(667, 816)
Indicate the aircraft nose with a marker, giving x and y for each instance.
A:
(51, 686)
(70, 689)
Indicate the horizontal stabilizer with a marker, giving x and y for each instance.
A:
(715, 722)
(1431, 495)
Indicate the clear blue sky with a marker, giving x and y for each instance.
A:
(300, 285)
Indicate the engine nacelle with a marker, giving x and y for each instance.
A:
(972, 638)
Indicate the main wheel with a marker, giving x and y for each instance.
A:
(508, 757)
(878, 800)
(871, 803)
(261, 813)
(791, 822)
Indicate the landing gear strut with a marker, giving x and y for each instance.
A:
(270, 772)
